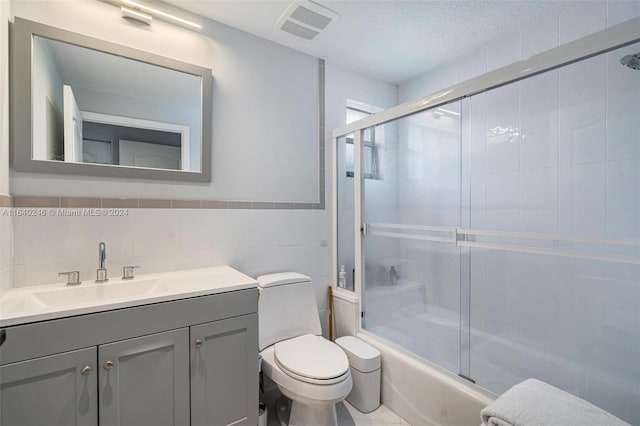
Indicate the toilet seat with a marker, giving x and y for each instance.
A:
(299, 389)
(311, 359)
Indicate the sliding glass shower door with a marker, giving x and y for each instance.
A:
(411, 264)
(500, 233)
(555, 218)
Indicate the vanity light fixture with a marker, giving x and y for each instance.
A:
(129, 13)
(152, 11)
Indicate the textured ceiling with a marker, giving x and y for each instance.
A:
(392, 40)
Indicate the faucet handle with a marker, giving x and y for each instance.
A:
(73, 277)
(127, 272)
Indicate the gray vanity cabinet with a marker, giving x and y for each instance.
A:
(63, 387)
(145, 380)
(224, 379)
(184, 362)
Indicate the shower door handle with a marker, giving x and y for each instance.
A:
(363, 228)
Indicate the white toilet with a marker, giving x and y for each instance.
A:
(310, 370)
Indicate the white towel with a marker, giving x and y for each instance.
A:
(535, 403)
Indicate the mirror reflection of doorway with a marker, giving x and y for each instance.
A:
(96, 151)
(132, 146)
(150, 155)
(72, 126)
(136, 101)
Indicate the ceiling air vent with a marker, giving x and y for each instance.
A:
(306, 19)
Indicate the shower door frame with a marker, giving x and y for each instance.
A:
(594, 44)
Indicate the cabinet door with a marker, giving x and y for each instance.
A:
(53, 390)
(224, 372)
(145, 381)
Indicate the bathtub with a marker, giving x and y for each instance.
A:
(420, 346)
(428, 393)
(400, 315)
(423, 393)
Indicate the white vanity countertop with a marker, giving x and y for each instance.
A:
(45, 302)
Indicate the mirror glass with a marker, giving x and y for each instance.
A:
(90, 106)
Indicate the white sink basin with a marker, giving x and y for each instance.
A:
(15, 304)
(37, 303)
(91, 293)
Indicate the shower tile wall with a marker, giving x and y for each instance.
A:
(570, 161)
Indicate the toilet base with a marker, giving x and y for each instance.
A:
(293, 413)
(283, 410)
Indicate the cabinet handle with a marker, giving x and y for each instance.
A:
(108, 365)
(198, 343)
(85, 371)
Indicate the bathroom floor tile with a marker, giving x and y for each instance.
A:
(348, 415)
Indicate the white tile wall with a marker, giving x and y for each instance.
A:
(502, 190)
(539, 147)
(254, 241)
(623, 184)
(538, 189)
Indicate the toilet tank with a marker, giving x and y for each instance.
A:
(346, 312)
(286, 308)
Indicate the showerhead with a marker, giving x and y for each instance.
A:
(631, 61)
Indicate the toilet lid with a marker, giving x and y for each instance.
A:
(311, 356)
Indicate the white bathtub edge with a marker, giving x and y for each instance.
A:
(423, 393)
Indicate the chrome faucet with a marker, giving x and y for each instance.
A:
(101, 273)
(127, 272)
(73, 277)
